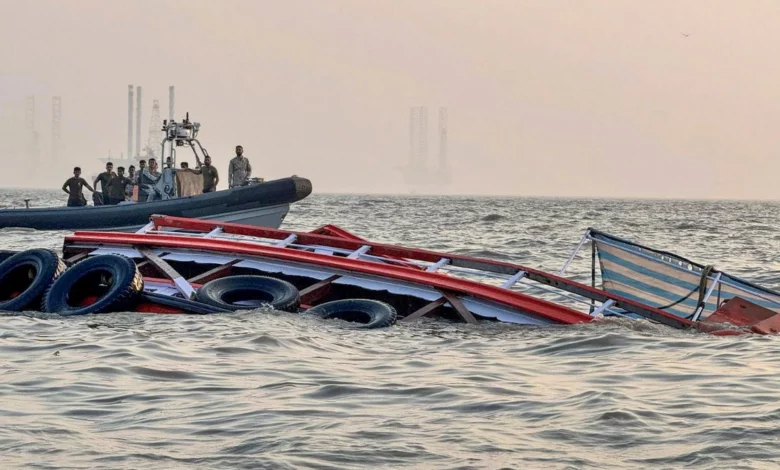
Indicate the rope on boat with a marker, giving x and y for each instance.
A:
(702, 288)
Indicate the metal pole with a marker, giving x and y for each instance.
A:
(574, 253)
(700, 308)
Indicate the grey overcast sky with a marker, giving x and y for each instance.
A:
(547, 97)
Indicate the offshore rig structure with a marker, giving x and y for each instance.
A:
(419, 171)
(134, 153)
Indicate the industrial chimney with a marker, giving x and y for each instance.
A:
(138, 122)
(129, 121)
(170, 103)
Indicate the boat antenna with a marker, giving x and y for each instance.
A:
(181, 134)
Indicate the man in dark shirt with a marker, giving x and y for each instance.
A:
(73, 188)
(105, 178)
(210, 175)
(117, 186)
(142, 194)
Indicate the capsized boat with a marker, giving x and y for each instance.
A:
(181, 265)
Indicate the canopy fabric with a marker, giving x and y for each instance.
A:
(188, 183)
(668, 281)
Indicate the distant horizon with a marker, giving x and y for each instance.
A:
(465, 195)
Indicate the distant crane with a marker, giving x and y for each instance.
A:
(155, 131)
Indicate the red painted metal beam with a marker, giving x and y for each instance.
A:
(532, 305)
(335, 231)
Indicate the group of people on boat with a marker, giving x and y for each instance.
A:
(150, 184)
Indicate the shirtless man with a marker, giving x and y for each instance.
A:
(73, 188)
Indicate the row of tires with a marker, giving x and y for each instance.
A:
(39, 279)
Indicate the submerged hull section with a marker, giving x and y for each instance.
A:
(263, 204)
(324, 268)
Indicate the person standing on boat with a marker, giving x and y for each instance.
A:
(148, 181)
(239, 169)
(105, 178)
(116, 187)
(142, 193)
(73, 188)
(210, 175)
(168, 184)
(131, 182)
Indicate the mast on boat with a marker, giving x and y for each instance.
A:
(181, 134)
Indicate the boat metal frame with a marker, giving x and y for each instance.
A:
(181, 134)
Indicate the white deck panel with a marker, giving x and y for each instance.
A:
(482, 308)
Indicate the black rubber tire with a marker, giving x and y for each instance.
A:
(226, 291)
(5, 254)
(30, 273)
(89, 277)
(366, 312)
(189, 306)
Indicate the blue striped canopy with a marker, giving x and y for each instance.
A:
(668, 281)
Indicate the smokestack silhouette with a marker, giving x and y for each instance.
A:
(129, 121)
(170, 103)
(138, 122)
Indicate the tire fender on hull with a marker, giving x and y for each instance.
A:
(366, 312)
(113, 281)
(248, 292)
(25, 276)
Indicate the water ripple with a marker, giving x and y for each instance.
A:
(277, 390)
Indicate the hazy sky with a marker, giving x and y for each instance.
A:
(553, 98)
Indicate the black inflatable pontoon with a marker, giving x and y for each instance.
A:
(263, 204)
